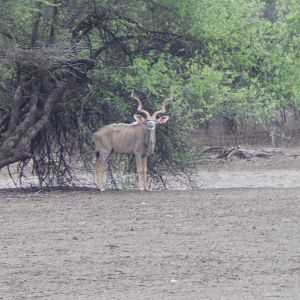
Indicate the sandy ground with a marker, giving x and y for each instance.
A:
(224, 244)
(238, 239)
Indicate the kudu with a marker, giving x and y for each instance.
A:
(137, 138)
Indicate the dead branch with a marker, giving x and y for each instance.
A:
(237, 152)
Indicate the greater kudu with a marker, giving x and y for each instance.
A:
(137, 138)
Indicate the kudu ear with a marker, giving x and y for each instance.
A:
(163, 119)
(139, 118)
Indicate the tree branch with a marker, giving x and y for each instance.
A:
(5, 33)
(15, 110)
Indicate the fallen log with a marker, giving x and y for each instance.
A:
(238, 152)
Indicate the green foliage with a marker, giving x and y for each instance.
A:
(204, 88)
(253, 62)
(159, 78)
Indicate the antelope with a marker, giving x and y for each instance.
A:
(137, 138)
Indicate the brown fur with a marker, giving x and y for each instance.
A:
(134, 138)
(137, 138)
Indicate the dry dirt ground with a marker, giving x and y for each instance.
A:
(229, 242)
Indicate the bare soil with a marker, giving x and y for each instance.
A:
(229, 241)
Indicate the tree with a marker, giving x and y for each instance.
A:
(60, 60)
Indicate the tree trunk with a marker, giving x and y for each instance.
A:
(52, 34)
(275, 134)
(36, 24)
(17, 143)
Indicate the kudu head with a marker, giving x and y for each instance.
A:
(150, 120)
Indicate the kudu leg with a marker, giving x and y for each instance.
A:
(100, 167)
(144, 173)
(139, 170)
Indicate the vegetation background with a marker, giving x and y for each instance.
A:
(67, 67)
